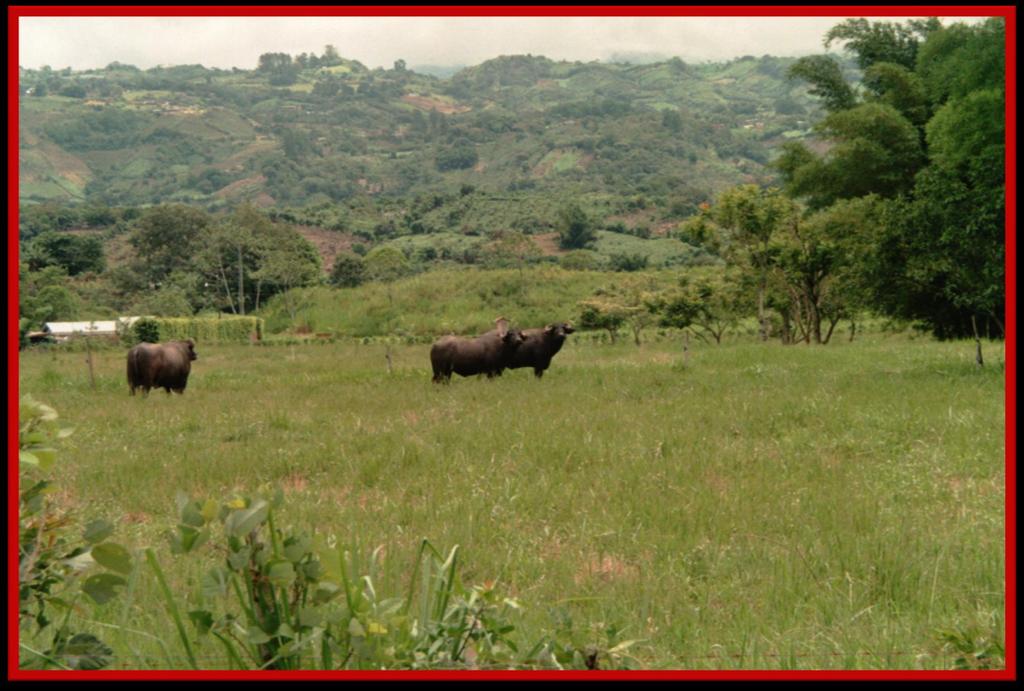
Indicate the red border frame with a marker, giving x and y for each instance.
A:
(1008, 12)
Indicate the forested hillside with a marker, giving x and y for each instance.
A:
(308, 133)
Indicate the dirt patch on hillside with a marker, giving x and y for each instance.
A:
(427, 103)
(548, 244)
(329, 243)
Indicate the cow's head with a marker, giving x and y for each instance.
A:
(558, 330)
(510, 337)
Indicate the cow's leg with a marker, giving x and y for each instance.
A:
(538, 372)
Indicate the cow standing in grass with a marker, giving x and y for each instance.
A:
(487, 354)
(155, 366)
(539, 346)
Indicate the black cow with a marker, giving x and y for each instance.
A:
(539, 346)
(155, 366)
(486, 354)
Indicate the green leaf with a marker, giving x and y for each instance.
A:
(312, 570)
(46, 457)
(187, 539)
(113, 556)
(296, 547)
(237, 560)
(214, 583)
(28, 458)
(101, 587)
(84, 651)
(310, 617)
(191, 515)
(241, 522)
(355, 628)
(280, 572)
(210, 510)
(97, 531)
(202, 619)
(256, 635)
(325, 592)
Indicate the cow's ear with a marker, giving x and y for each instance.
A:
(502, 326)
(549, 328)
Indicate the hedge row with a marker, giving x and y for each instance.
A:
(210, 329)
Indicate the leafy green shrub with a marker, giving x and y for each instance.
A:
(286, 600)
(628, 262)
(348, 271)
(146, 330)
(222, 329)
(52, 563)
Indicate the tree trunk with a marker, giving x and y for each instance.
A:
(227, 289)
(686, 346)
(814, 316)
(259, 284)
(831, 325)
(761, 290)
(241, 291)
(787, 328)
(853, 329)
(977, 341)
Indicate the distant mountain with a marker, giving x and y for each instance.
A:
(301, 134)
(439, 71)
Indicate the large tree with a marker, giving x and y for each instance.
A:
(929, 138)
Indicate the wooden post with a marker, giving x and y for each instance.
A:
(88, 359)
(387, 356)
(977, 340)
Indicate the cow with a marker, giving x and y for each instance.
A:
(487, 354)
(155, 366)
(539, 346)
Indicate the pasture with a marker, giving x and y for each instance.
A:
(761, 507)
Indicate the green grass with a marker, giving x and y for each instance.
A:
(760, 507)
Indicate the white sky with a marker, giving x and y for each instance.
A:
(225, 42)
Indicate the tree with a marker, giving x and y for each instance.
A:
(874, 42)
(511, 248)
(633, 303)
(348, 271)
(286, 261)
(76, 254)
(876, 151)
(748, 217)
(575, 228)
(386, 263)
(826, 81)
(930, 144)
(712, 305)
(169, 301)
(166, 238)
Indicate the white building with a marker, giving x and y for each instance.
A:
(61, 331)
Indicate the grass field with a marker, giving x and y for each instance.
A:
(759, 507)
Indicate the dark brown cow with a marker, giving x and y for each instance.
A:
(155, 366)
(539, 346)
(486, 354)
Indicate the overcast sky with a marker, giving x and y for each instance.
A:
(94, 42)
